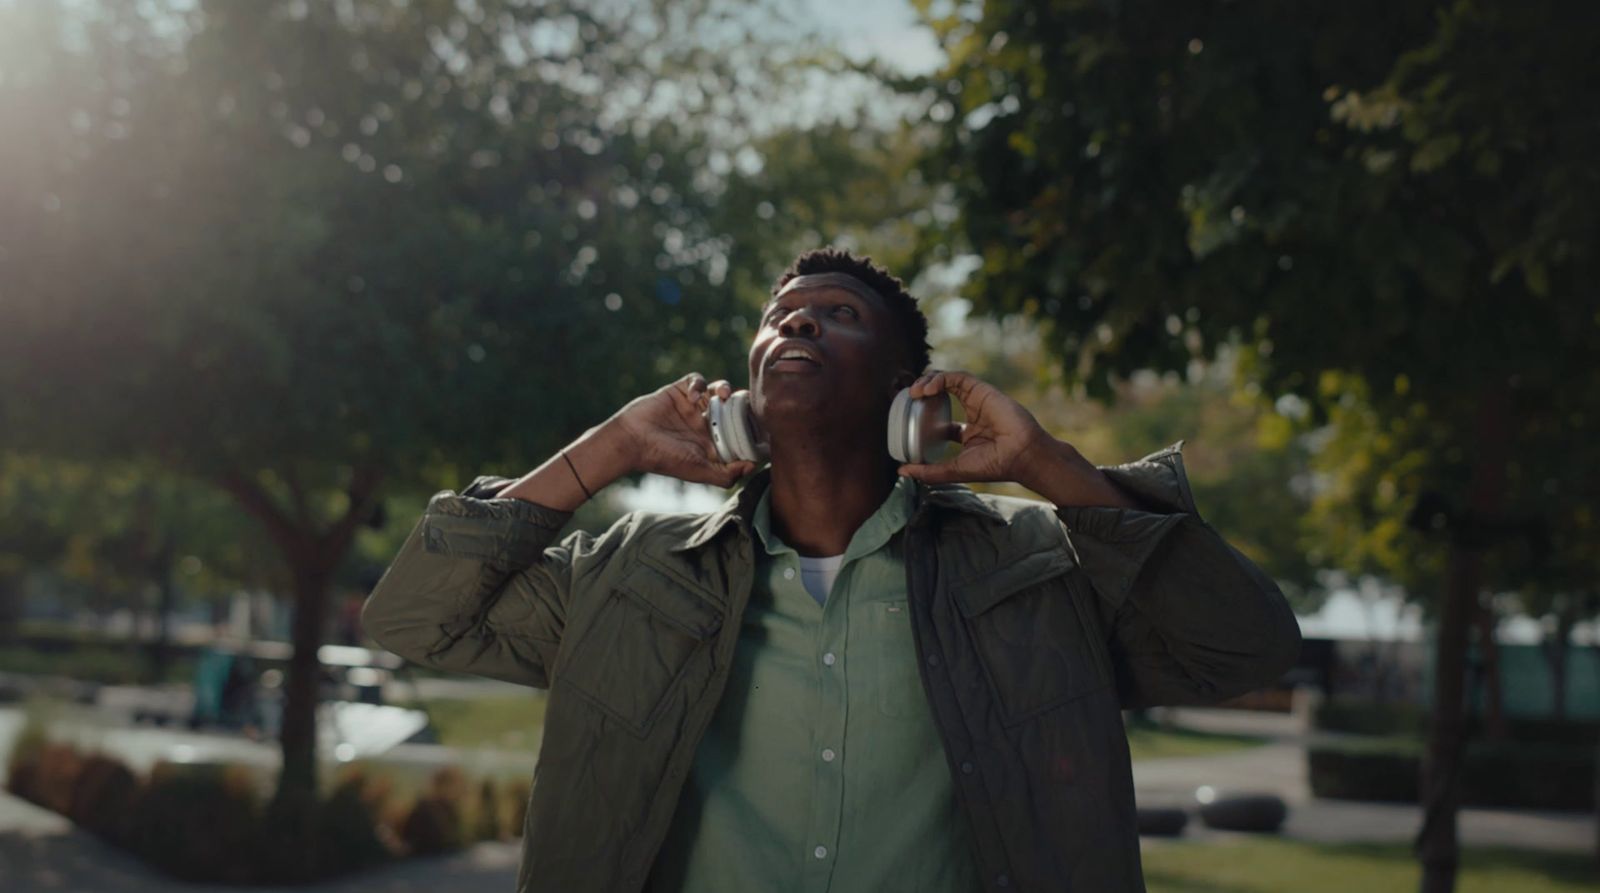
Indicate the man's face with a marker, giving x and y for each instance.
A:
(825, 349)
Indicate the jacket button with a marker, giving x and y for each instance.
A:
(966, 767)
(933, 660)
(1003, 880)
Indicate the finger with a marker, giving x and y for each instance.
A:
(721, 388)
(728, 475)
(933, 474)
(919, 388)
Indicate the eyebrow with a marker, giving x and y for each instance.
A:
(766, 309)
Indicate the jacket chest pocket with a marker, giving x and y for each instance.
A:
(641, 640)
(1030, 636)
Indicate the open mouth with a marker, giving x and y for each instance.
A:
(793, 358)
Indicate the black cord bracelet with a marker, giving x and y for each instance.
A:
(575, 475)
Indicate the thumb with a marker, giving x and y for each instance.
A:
(932, 474)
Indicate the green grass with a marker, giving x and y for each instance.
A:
(514, 722)
(1271, 865)
(1147, 741)
(504, 723)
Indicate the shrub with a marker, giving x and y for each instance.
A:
(1363, 717)
(207, 823)
(517, 794)
(56, 774)
(1359, 716)
(1515, 774)
(490, 823)
(438, 820)
(200, 823)
(103, 798)
(433, 826)
(350, 830)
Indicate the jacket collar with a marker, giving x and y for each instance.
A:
(741, 505)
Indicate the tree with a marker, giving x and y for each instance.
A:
(302, 250)
(1398, 196)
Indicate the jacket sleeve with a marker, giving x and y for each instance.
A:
(481, 587)
(1190, 619)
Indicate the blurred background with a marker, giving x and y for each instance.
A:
(274, 271)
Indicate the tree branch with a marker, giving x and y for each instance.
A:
(254, 500)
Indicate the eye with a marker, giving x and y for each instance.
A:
(846, 311)
(776, 312)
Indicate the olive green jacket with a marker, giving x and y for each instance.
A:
(1033, 626)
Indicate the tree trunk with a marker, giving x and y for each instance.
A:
(1556, 648)
(1494, 709)
(1437, 845)
(303, 681)
(292, 811)
(160, 647)
(311, 551)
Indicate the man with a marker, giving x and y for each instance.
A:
(854, 676)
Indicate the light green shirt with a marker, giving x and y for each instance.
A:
(822, 770)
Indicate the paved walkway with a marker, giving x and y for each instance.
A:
(1280, 768)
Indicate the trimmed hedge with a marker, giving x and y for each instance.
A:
(1512, 774)
(1365, 717)
(208, 823)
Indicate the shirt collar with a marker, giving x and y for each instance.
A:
(743, 503)
(871, 536)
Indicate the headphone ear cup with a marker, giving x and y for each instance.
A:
(741, 436)
(930, 432)
(899, 424)
(718, 416)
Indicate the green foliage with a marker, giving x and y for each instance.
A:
(1391, 208)
(301, 250)
(1504, 774)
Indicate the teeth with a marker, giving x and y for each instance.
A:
(794, 355)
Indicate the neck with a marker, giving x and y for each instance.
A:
(824, 489)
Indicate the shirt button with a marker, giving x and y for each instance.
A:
(829, 658)
(788, 573)
(966, 767)
(821, 852)
(828, 754)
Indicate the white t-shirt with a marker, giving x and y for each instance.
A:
(818, 575)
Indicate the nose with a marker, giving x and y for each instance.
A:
(799, 321)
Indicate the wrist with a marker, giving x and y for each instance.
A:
(1046, 459)
(603, 454)
(1062, 475)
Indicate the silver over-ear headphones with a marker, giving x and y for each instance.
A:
(919, 430)
(732, 431)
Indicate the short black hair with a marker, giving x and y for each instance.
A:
(913, 325)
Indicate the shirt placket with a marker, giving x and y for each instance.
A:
(826, 753)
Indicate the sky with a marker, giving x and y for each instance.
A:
(883, 29)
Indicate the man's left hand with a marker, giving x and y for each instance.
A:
(1002, 441)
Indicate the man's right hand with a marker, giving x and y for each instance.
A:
(665, 432)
